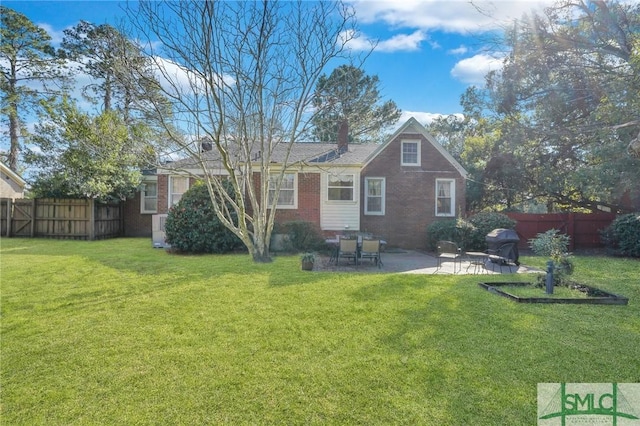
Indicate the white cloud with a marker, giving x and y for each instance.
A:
(473, 70)
(176, 79)
(401, 42)
(56, 36)
(423, 117)
(460, 16)
(461, 50)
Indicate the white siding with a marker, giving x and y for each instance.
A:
(336, 215)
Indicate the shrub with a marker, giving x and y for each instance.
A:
(555, 246)
(485, 222)
(193, 227)
(622, 237)
(441, 230)
(302, 236)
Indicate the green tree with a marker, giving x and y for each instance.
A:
(83, 156)
(566, 104)
(348, 95)
(450, 131)
(32, 73)
(122, 76)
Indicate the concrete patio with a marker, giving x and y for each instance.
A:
(414, 262)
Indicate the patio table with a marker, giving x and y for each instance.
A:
(477, 259)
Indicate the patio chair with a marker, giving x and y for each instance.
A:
(371, 250)
(448, 250)
(348, 249)
(505, 255)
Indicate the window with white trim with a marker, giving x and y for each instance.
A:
(410, 153)
(374, 196)
(149, 195)
(178, 185)
(340, 188)
(445, 197)
(287, 198)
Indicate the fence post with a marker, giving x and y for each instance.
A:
(9, 215)
(92, 219)
(32, 231)
(121, 211)
(571, 230)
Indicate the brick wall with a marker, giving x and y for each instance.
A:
(163, 193)
(409, 194)
(308, 198)
(308, 201)
(135, 223)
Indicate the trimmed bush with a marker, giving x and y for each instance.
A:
(301, 236)
(485, 222)
(445, 229)
(622, 237)
(193, 227)
(469, 234)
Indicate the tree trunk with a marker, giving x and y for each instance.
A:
(14, 126)
(14, 122)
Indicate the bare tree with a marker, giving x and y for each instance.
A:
(242, 75)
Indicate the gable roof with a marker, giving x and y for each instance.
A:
(12, 175)
(413, 126)
(328, 154)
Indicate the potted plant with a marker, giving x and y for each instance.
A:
(307, 261)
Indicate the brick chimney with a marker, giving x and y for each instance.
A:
(343, 136)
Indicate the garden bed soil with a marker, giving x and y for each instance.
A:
(589, 296)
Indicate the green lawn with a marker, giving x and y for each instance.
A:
(116, 332)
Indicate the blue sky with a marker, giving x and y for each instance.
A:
(428, 52)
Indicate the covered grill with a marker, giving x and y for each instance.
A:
(505, 243)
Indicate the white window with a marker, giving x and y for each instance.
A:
(178, 185)
(410, 153)
(341, 187)
(287, 198)
(149, 195)
(374, 198)
(445, 197)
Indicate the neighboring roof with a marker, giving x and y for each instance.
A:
(413, 126)
(12, 175)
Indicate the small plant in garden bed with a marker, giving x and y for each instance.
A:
(555, 246)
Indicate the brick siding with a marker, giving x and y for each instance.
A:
(409, 194)
(135, 223)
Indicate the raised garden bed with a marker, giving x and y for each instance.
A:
(582, 294)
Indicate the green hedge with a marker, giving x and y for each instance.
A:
(300, 236)
(622, 237)
(469, 234)
(193, 227)
(485, 222)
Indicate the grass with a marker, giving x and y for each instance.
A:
(116, 332)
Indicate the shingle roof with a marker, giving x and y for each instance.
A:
(301, 152)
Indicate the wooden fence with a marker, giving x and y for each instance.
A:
(74, 219)
(583, 228)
